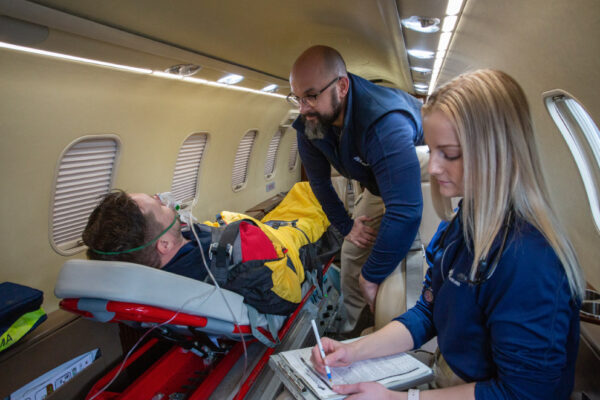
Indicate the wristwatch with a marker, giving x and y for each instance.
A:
(413, 394)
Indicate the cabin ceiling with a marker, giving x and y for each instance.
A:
(265, 36)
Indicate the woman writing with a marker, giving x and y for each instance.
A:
(503, 288)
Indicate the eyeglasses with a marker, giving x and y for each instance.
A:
(310, 99)
(485, 269)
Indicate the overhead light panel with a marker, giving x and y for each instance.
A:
(231, 79)
(67, 57)
(449, 23)
(422, 24)
(454, 7)
(437, 65)
(444, 41)
(126, 68)
(422, 54)
(270, 88)
(421, 70)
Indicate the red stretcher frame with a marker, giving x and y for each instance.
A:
(178, 366)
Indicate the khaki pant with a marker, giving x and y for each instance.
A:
(353, 258)
(443, 375)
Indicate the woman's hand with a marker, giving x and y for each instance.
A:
(365, 391)
(336, 355)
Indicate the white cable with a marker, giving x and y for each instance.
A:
(218, 288)
(207, 295)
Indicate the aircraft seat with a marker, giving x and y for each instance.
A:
(400, 290)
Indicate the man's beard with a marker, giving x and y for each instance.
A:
(315, 129)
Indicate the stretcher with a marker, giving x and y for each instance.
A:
(211, 329)
(205, 336)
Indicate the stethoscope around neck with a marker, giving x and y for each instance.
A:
(485, 267)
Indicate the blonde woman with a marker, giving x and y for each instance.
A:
(503, 290)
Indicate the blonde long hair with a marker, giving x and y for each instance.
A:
(502, 169)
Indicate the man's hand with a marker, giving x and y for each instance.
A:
(361, 235)
(369, 291)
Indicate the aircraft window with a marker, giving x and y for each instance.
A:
(187, 167)
(242, 157)
(293, 154)
(85, 173)
(583, 138)
(272, 155)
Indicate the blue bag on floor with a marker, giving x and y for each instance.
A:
(20, 312)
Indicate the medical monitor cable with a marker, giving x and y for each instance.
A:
(190, 221)
(206, 295)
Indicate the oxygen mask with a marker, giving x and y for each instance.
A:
(168, 199)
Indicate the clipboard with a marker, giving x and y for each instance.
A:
(295, 371)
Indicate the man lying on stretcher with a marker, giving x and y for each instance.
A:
(264, 260)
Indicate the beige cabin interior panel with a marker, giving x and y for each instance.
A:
(48, 103)
(543, 45)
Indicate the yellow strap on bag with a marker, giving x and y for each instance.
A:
(20, 328)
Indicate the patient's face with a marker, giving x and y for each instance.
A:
(152, 205)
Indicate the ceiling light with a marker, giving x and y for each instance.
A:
(449, 23)
(270, 88)
(453, 7)
(184, 69)
(444, 41)
(422, 24)
(73, 58)
(166, 75)
(423, 54)
(421, 70)
(160, 74)
(231, 79)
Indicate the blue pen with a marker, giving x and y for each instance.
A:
(312, 321)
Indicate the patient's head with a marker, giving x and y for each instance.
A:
(124, 222)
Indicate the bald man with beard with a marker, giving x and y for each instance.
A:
(368, 133)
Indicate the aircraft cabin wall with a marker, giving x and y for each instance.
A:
(544, 45)
(48, 103)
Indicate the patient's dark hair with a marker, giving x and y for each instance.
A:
(118, 224)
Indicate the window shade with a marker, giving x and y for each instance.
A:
(583, 139)
(242, 157)
(85, 174)
(272, 155)
(187, 167)
(293, 154)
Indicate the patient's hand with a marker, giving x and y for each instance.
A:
(361, 234)
(369, 291)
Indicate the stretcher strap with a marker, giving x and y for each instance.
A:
(253, 316)
(221, 250)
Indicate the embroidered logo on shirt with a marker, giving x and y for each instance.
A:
(358, 160)
(428, 295)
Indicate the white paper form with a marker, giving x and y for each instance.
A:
(383, 370)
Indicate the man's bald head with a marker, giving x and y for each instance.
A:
(320, 61)
(320, 85)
